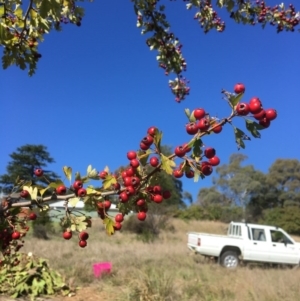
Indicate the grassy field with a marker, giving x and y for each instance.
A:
(164, 270)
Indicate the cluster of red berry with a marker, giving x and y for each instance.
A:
(264, 116)
(208, 18)
(83, 237)
(132, 183)
(204, 167)
(12, 233)
(277, 15)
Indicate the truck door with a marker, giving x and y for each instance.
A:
(282, 249)
(257, 247)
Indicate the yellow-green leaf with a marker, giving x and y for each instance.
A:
(73, 201)
(109, 180)
(109, 226)
(90, 190)
(81, 226)
(167, 164)
(68, 172)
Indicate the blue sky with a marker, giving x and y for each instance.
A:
(98, 89)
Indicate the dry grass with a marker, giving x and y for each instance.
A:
(164, 270)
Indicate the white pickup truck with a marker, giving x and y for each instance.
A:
(247, 242)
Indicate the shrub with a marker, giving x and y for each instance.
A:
(150, 228)
(287, 218)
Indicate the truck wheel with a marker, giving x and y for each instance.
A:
(229, 259)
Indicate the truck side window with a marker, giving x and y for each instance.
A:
(258, 234)
(279, 237)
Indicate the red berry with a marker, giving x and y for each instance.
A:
(130, 171)
(154, 161)
(265, 122)
(116, 186)
(177, 173)
(135, 181)
(15, 235)
(24, 194)
(107, 204)
(260, 115)
(242, 109)
(209, 152)
(186, 148)
(81, 192)
(179, 151)
(189, 174)
(141, 202)
(217, 129)
(151, 131)
(271, 114)
(77, 184)
(123, 197)
(156, 189)
(130, 190)
(214, 161)
(191, 128)
(134, 163)
(131, 155)
(38, 172)
(166, 194)
(67, 234)
(255, 105)
(203, 125)
(127, 181)
(82, 243)
(239, 88)
(117, 226)
(101, 213)
(206, 169)
(157, 198)
(103, 174)
(60, 190)
(141, 215)
(119, 218)
(148, 140)
(83, 235)
(199, 113)
(144, 146)
(32, 216)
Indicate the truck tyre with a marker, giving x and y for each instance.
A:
(229, 260)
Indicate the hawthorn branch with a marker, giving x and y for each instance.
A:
(15, 200)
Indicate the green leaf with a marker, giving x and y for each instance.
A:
(157, 139)
(55, 184)
(196, 175)
(109, 180)
(192, 117)
(109, 225)
(253, 127)
(239, 137)
(235, 99)
(143, 156)
(197, 152)
(68, 172)
(230, 5)
(167, 164)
